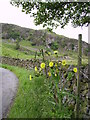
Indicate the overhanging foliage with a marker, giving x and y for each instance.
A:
(54, 14)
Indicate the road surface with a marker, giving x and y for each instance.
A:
(8, 89)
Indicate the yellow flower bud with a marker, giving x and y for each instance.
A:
(55, 75)
(30, 77)
(36, 69)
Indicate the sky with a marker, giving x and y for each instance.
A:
(13, 15)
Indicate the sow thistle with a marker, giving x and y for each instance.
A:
(42, 65)
(58, 76)
(51, 64)
(64, 62)
(75, 70)
(56, 52)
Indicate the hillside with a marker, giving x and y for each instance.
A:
(41, 38)
(38, 90)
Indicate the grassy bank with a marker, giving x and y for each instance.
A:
(31, 99)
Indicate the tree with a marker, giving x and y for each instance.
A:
(53, 14)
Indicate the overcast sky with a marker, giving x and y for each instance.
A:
(13, 15)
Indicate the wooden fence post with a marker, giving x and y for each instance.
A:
(88, 105)
(78, 77)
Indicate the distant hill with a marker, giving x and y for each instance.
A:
(41, 37)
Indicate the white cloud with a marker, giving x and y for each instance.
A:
(13, 15)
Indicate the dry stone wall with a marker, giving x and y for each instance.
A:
(17, 62)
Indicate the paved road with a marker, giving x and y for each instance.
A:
(9, 84)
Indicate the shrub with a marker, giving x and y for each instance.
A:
(54, 45)
(14, 35)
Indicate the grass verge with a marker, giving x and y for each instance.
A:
(31, 99)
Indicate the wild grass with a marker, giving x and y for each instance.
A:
(31, 100)
(10, 51)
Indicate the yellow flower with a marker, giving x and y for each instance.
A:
(55, 75)
(42, 65)
(55, 52)
(49, 53)
(51, 64)
(64, 62)
(30, 77)
(75, 69)
(36, 69)
(49, 74)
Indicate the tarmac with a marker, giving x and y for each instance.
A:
(8, 90)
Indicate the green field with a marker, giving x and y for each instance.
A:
(27, 51)
(10, 51)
